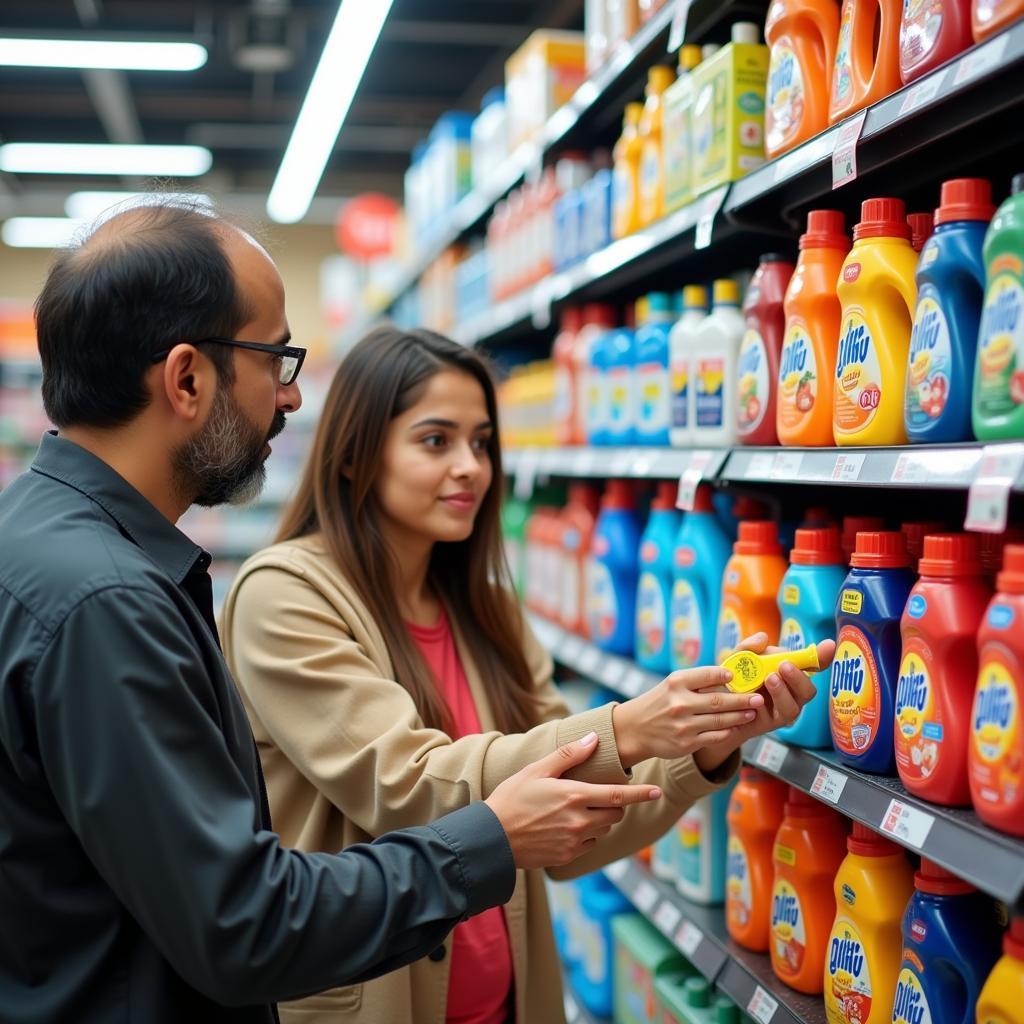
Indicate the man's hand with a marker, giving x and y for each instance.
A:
(551, 821)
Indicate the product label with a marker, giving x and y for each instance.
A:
(842, 76)
(650, 180)
(597, 402)
(917, 606)
(650, 616)
(919, 729)
(653, 388)
(910, 1005)
(848, 991)
(920, 28)
(929, 364)
(1000, 616)
(784, 108)
(620, 399)
(691, 831)
(563, 395)
(791, 636)
(784, 854)
(858, 380)
(602, 605)
(623, 196)
(996, 754)
(789, 936)
(728, 636)
(687, 625)
(680, 392)
(999, 387)
(851, 602)
(790, 594)
(739, 901)
(854, 694)
(798, 377)
(753, 386)
(710, 394)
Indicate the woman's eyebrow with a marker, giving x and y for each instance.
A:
(449, 424)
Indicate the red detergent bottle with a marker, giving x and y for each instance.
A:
(932, 32)
(939, 668)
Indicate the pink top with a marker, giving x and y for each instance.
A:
(480, 982)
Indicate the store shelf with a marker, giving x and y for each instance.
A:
(625, 463)
(700, 934)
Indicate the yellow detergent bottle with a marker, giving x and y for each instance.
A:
(1002, 999)
(626, 179)
(878, 296)
(652, 176)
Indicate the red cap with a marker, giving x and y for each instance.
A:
(992, 546)
(599, 314)
(852, 525)
(758, 537)
(965, 199)
(572, 319)
(665, 496)
(1013, 940)
(826, 229)
(749, 508)
(702, 499)
(882, 218)
(884, 549)
(867, 843)
(819, 546)
(618, 494)
(921, 228)
(938, 881)
(586, 495)
(1011, 579)
(916, 533)
(950, 554)
(817, 515)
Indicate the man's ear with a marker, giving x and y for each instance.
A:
(188, 381)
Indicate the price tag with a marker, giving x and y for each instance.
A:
(667, 918)
(589, 660)
(760, 466)
(621, 463)
(922, 93)
(642, 465)
(908, 470)
(988, 500)
(540, 305)
(771, 755)
(907, 823)
(583, 461)
(788, 165)
(645, 896)
(709, 207)
(981, 60)
(677, 33)
(634, 682)
(828, 784)
(526, 474)
(786, 465)
(848, 467)
(691, 480)
(688, 938)
(762, 1006)
(844, 153)
(617, 869)
(572, 1011)
(611, 672)
(572, 649)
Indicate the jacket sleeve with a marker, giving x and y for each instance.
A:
(131, 735)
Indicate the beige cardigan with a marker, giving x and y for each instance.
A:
(347, 758)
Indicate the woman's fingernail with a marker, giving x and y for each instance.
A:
(589, 740)
(787, 667)
(655, 793)
(756, 700)
(774, 682)
(726, 675)
(750, 715)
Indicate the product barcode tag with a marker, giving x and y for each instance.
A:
(988, 499)
(844, 153)
(828, 784)
(906, 823)
(771, 755)
(622, 462)
(583, 461)
(688, 938)
(691, 479)
(677, 33)
(645, 896)
(526, 474)
(667, 918)
(981, 59)
(617, 869)
(922, 93)
(786, 465)
(762, 1006)
(540, 306)
(709, 207)
(848, 467)
(760, 466)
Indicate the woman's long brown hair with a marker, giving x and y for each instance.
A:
(380, 378)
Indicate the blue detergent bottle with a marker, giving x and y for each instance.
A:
(654, 589)
(951, 941)
(596, 416)
(611, 586)
(862, 688)
(702, 549)
(653, 385)
(807, 611)
(593, 968)
(620, 368)
(950, 293)
(703, 842)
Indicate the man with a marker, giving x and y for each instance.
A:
(139, 877)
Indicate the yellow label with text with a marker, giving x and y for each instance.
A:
(852, 602)
(786, 854)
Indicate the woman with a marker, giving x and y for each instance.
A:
(390, 676)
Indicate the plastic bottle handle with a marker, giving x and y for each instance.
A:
(750, 670)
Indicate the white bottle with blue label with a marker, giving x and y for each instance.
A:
(713, 369)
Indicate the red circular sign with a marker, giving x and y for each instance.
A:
(367, 226)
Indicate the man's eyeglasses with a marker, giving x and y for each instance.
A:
(291, 357)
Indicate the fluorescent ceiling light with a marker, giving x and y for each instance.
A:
(39, 232)
(347, 51)
(83, 158)
(89, 205)
(100, 53)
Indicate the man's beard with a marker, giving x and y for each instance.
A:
(224, 462)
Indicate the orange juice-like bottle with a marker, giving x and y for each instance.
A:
(626, 174)
(809, 847)
(801, 35)
(878, 294)
(867, 66)
(754, 816)
(750, 587)
(803, 411)
(652, 172)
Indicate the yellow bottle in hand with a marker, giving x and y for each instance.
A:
(749, 670)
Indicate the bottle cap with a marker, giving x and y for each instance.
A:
(746, 32)
(992, 546)
(915, 534)
(882, 218)
(816, 516)
(922, 226)
(867, 843)
(695, 296)
(689, 57)
(883, 549)
(631, 115)
(760, 537)
(938, 881)
(746, 507)
(572, 319)
(698, 992)
(852, 525)
(618, 494)
(1011, 579)
(950, 554)
(726, 1011)
(585, 494)
(600, 314)
(659, 78)
(726, 292)
(702, 499)
(1013, 940)
(659, 302)
(1017, 185)
(708, 50)
(818, 546)
(826, 229)
(665, 496)
(965, 199)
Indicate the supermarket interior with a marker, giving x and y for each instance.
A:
(750, 278)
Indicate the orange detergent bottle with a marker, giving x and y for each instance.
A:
(803, 412)
(754, 816)
(809, 847)
(867, 67)
(991, 16)
(651, 179)
(801, 35)
(750, 588)
(872, 889)
(626, 174)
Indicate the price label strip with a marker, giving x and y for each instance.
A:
(848, 466)
(844, 153)
(667, 918)
(786, 466)
(760, 466)
(572, 1011)
(988, 499)
(771, 755)
(709, 207)
(589, 660)
(688, 938)
(691, 480)
(677, 33)
(762, 1006)
(828, 784)
(526, 474)
(634, 682)
(922, 93)
(981, 60)
(616, 871)
(906, 823)
(645, 896)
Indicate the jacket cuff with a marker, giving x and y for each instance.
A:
(688, 783)
(481, 848)
(603, 766)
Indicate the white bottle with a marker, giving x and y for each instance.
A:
(680, 346)
(713, 360)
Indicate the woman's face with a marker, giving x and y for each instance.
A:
(435, 467)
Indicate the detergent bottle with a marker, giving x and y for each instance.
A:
(566, 389)
(914, 533)
(579, 519)
(992, 547)
(950, 943)
(801, 35)
(681, 341)
(852, 525)
(932, 32)
(750, 587)
(597, 319)
(688, 999)
(807, 607)
(760, 349)
(809, 847)
(922, 227)
(677, 133)
(872, 887)
(991, 16)
(878, 297)
(999, 374)
(642, 954)
(867, 67)
(935, 689)
(653, 387)
(754, 816)
(995, 760)
(1002, 997)
(703, 843)
(652, 179)
(626, 186)
(866, 666)
(716, 345)
(812, 311)
(620, 348)
(611, 587)
(654, 590)
(515, 513)
(593, 968)
(702, 550)
(950, 290)
(597, 414)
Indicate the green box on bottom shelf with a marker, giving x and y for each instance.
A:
(689, 999)
(642, 954)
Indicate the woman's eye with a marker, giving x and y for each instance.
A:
(482, 444)
(434, 441)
